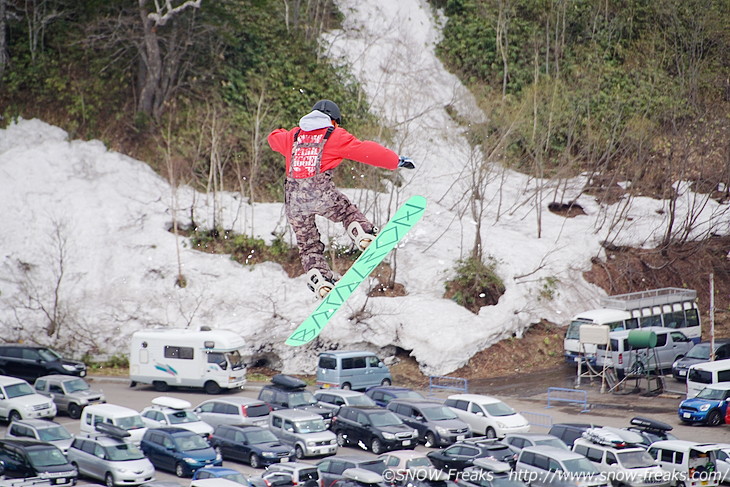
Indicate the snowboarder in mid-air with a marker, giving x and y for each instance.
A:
(312, 151)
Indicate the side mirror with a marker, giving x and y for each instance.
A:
(479, 413)
(381, 364)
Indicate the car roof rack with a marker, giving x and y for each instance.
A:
(650, 424)
(171, 402)
(108, 429)
(288, 382)
(613, 437)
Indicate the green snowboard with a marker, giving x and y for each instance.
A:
(403, 220)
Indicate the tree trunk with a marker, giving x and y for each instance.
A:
(3, 29)
(150, 68)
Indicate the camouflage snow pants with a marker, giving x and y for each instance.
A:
(318, 195)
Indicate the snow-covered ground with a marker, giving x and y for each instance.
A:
(99, 221)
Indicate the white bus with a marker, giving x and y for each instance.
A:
(166, 357)
(669, 307)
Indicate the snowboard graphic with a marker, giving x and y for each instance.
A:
(403, 220)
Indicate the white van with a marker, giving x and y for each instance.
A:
(703, 374)
(690, 464)
(625, 464)
(210, 359)
(351, 370)
(121, 417)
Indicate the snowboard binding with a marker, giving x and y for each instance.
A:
(361, 238)
(318, 284)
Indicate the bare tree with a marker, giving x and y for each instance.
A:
(3, 37)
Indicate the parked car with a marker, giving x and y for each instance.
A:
(28, 458)
(487, 415)
(304, 431)
(373, 428)
(170, 411)
(30, 362)
(336, 398)
(671, 345)
(688, 463)
(125, 418)
(382, 395)
(548, 466)
(18, 400)
(707, 407)
(70, 394)
(650, 430)
(218, 473)
(699, 353)
(488, 472)
(569, 432)
(331, 469)
(250, 444)
(288, 392)
(178, 450)
(437, 424)
(41, 430)
(462, 454)
(351, 370)
(106, 456)
(301, 473)
(399, 461)
(218, 482)
(517, 441)
(239, 410)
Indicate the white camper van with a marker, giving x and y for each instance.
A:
(165, 358)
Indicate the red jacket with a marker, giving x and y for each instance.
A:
(340, 145)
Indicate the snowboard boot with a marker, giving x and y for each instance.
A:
(361, 238)
(318, 284)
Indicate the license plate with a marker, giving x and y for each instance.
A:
(682, 372)
(285, 459)
(325, 386)
(406, 442)
(460, 437)
(576, 359)
(704, 482)
(687, 415)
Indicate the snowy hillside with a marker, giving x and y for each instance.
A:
(99, 221)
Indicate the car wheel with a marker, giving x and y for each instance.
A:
(74, 411)
(714, 418)
(14, 416)
(430, 440)
(254, 461)
(299, 452)
(342, 439)
(376, 446)
(212, 387)
(179, 470)
(347, 386)
(386, 382)
(109, 479)
(160, 386)
(490, 433)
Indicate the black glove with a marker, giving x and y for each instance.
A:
(406, 162)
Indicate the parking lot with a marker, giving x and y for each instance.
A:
(604, 409)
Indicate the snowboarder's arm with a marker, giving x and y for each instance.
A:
(279, 141)
(365, 151)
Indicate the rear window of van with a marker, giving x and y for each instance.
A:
(327, 363)
(699, 375)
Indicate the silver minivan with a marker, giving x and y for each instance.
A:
(351, 370)
(671, 345)
(304, 431)
(547, 466)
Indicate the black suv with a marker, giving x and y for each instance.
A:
(461, 455)
(251, 444)
(30, 362)
(437, 424)
(288, 392)
(331, 469)
(374, 427)
(23, 459)
(569, 432)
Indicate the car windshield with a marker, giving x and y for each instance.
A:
(48, 355)
(438, 413)
(191, 442)
(498, 409)
(310, 426)
(636, 459)
(573, 332)
(361, 401)
(179, 417)
(123, 452)
(700, 351)
(53, 433)
(580, 465)
(409, 395)
(130, 422)
(46, 457)
(18, 390)
(236, 477)
(75, 385)
(377, 466)
(385, 418)
(303, 398)
(418, 462)
(262, 436)
(235, 359)
(711, 394)
(555, 442)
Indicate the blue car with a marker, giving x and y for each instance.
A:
(382, 395)
(708, 407)
(220, 473)
(178, 450)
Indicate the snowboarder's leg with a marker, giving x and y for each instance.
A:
(358, 227)
(311, 252)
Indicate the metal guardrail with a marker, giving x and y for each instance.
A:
(456, 384)
(575, 396)
(538, 419)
